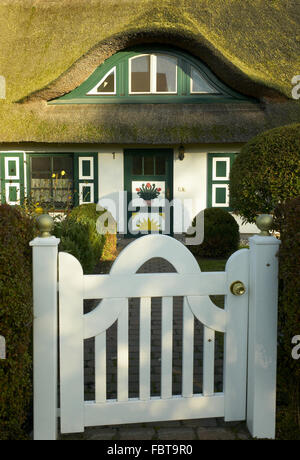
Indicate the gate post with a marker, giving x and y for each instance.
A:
(45, 250)
(262, 333)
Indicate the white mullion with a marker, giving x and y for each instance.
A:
(153, 68)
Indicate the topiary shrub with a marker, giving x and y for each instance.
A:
(105, 245)
(221, 234)
(16, 231)
(266, 172)
(75, 239)
(288, 369)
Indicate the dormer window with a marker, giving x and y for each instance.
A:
(199, 85)
(156, 75)
(153, 74)
(107, 85)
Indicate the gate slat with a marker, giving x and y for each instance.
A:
(123, 354)
(145, 347)
(100, 367)
(166, 347)
(187, 350)
(71, 344)
(208, 361)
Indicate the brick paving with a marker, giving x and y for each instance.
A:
(172, 430)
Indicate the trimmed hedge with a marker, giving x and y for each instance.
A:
(266, 172)
(79, 236)
(221, 234)
(75, 239)
(16, 231)
(288, 375)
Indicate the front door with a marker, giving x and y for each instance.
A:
(148, 181)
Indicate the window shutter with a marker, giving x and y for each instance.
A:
(12, 177)
(218, 171)
(85, 178)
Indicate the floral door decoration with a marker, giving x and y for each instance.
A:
(148, 194)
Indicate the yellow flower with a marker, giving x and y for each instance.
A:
(53, 175)
(63, 173)
(39, 210)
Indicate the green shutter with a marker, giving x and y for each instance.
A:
(218, 171)
(12, 177)
(85, 178)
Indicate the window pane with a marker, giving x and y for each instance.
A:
(137, 165)
(140, 74)
(40, 164)
(199, 84)
(108, 84)
(63, 164)
(148, 165)
(166, 74)
(160, 165)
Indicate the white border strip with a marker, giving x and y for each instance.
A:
(17, 176)
(8, 185)
(91, 176)
(214, 168)
(91, 186)
(220, 205)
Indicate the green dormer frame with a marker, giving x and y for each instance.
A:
(118, 68)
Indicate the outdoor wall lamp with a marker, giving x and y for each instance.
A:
(181, 152)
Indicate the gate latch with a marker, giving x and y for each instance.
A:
(237, 288)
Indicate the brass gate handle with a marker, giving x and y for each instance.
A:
(237, 288)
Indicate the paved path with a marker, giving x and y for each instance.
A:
(173, 430)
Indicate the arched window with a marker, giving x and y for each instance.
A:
(156, 75)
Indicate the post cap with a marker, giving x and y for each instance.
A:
(45, 225)
(265, 223)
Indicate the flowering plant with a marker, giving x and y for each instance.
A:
(148, 192)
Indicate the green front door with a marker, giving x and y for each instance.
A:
(148, 180)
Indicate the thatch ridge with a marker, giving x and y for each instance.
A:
(198, 46)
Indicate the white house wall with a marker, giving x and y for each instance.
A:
(111, 182)
(189, 182)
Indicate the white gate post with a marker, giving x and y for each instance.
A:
(45, 250)
(262, 334)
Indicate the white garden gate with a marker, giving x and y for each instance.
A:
(249, 280)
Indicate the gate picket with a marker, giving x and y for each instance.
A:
(187, 350)
(100, 367)
(166, 347)
(122, 387)
(145, 348)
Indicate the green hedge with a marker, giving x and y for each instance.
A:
(221, 234)
(288, 375)
(79, 237)
(16, 231)
(266, 172)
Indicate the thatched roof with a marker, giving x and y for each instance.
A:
(48, 48)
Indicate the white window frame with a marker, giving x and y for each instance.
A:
(220, 205)
(17, 176)
(8, 185)
(94, 92)
(80, 172)
(87, 184)
(153, 69)
(214, 168)
(214, 90)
